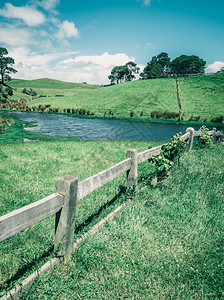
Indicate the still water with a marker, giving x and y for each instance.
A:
(56, 125)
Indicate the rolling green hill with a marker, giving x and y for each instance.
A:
(202, 96)
(47, 83)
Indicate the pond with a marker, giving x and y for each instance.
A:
(56, 125)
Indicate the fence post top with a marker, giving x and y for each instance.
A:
(190, 129)
(132, 150)
(68, 178)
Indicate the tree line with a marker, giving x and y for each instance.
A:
(159, 66)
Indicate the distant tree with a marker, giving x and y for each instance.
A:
(221, 71)
(188, 64)
(158, 67)
(6, 63)
(123, 73)
(130, 70)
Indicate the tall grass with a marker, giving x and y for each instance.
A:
(166, 244)
(29, 172)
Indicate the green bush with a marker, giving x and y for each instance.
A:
(218, 119)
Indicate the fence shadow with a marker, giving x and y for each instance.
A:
(29, 266)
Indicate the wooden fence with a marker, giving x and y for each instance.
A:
(70, 191)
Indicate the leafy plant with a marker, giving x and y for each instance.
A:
(172, 152)
(205, 138)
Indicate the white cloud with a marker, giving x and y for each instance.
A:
(49, 4)
(148, 45)
(67, 30)
(29, 15)
(66, 66)
(214, 67)
(145, 2)
(106, 59)
(13, 36)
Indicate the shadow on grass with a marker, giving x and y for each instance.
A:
(48, 253)
(91, 218)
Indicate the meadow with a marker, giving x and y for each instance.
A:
(167, 243)
(29, 172)
(202, 97)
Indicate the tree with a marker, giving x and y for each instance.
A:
(188, 64)
(130, 70)
(158, 67)
(6, 63)
(123, 73)
(117, 74)
(221, 71)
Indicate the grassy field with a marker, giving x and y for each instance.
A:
(166, 244)
(29, 172)
(201, 96)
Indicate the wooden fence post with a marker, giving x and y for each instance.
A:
(132, 174)
(191, 138)
(65, 218)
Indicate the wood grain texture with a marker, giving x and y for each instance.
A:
(185, 136)
(26, 216)
(94, 182)
(65, 218)
(145, 155)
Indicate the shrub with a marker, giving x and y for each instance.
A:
(218, 119)
(171, 153)
(9, 90)
(158, 114)
(29, 91)
(194, 118)
(205, 138)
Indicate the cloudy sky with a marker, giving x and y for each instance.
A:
(80, 41)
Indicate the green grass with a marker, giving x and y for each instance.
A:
(166, 244)
(201, 96)
(47, 83)
(29, 172)
(16, 132)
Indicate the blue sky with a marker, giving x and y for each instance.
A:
(83, 40)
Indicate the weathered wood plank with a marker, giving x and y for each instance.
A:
(65, 218)
(186, 136)
(26, 216)
(143, 156)
(132, 174)
(92, 183)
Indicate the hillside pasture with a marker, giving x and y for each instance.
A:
(202, 97)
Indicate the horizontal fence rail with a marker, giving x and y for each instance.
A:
(94, 182)
(145, 155)
(63, 202)
(29, 215)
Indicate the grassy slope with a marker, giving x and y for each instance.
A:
(201, 96)
(167, 244)
(29, 172)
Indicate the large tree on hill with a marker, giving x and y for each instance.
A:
(123, 73)
(6, 64)
(188, 64)
(130, 70)
(158, 67)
